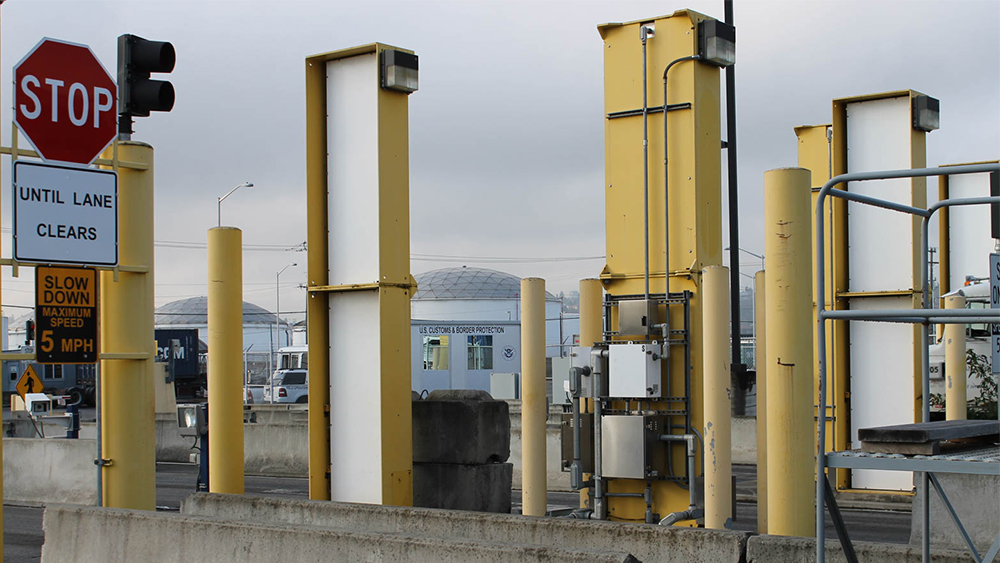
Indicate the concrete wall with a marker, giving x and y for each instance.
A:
(555, 477)
(745, 440)
(649, 544)
(76, 534)
(276, 440)
(777, 549)
(49, 471)
(976, 499)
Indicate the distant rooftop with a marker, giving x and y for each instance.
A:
(194, 311)
(468, 283)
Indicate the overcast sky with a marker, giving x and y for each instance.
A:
(506, 131)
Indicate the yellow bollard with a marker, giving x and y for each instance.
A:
(591, 331)
(761, 355)
(718, 416)
(788, 299)
(128, 400)
(225, 362)
(956, 400)
(534, 407)
(591, 312)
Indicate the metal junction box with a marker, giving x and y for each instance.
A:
(634, 370)
(586, 441)
(630, 445)
(632, 317)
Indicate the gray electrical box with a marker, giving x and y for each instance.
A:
(633, 319)
(560, 380)
(634, 370)
(631, 447)
(586, 441)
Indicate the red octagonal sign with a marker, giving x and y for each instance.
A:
(65, 102)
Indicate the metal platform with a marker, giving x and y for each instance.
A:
(979, 461)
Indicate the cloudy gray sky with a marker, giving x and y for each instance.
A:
(506, 131)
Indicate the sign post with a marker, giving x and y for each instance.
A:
(66, 315)
(995, 304)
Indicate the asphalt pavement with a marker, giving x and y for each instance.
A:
(23, 536)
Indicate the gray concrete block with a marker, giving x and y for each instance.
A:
(976, 499)
(780, 549)
(39, 471)
(460, 426)
(484, 488)
(75, 534)
(649, 544)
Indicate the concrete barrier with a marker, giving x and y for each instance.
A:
(976, 499)
(276, 440)
(778, 549)
(649, 544)
(556, 478)
(49, 471)
(745, 440)
(76, 534)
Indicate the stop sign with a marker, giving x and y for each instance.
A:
(65, 102)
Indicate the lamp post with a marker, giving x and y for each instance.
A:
(754, 254)
(243, 185)
(277, 304)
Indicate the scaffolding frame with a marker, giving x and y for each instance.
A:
(982, 463)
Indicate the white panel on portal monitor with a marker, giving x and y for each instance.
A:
(352, 168)
(882, 366)
(969, 228)
(880, 241)
(355, 398)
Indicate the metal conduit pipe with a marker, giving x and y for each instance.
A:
(596, 361)
(666, 178)
(644, 33)
(692, 511)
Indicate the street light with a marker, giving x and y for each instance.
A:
(243, 185)
(277, 298)
(726, 249)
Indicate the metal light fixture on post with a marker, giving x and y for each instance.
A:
(277, 327)
(229, 193)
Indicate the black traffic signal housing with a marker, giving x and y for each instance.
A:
(29, 331)
(137, 93)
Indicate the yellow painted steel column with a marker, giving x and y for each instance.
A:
(534, 408)
(318, 306)
(788, 299)
(761, 360)
(718, 417)
(591, 312)
(126, 310)
(956, 399)
(225, 361)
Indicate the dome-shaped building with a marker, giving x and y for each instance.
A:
(466, 325)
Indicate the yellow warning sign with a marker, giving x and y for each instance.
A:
(29, 383)
(66, 315)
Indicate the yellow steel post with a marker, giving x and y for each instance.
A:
(591, 331)
(788, 298)
(718, 421)
(126, 308)
(761, 361)
(591, 312)
(225, 362)
(318, 307)
(956, 400)
(534, 406)
(695, 219)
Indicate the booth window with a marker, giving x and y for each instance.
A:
(480, 352)
(436, 352)
(52, 371)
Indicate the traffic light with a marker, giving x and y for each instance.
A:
(137, 93)
(29, 331)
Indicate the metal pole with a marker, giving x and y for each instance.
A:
(225, 342)
(533, 406)
(100, 435)
(718, 421)
(788, 302)
(739, 405)
(761, 362)
(128, 411)
(591, 331)
(954, 363)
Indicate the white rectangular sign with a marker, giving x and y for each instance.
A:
(65, 214)
(995, 304)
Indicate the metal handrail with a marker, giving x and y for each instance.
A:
(915, 316)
